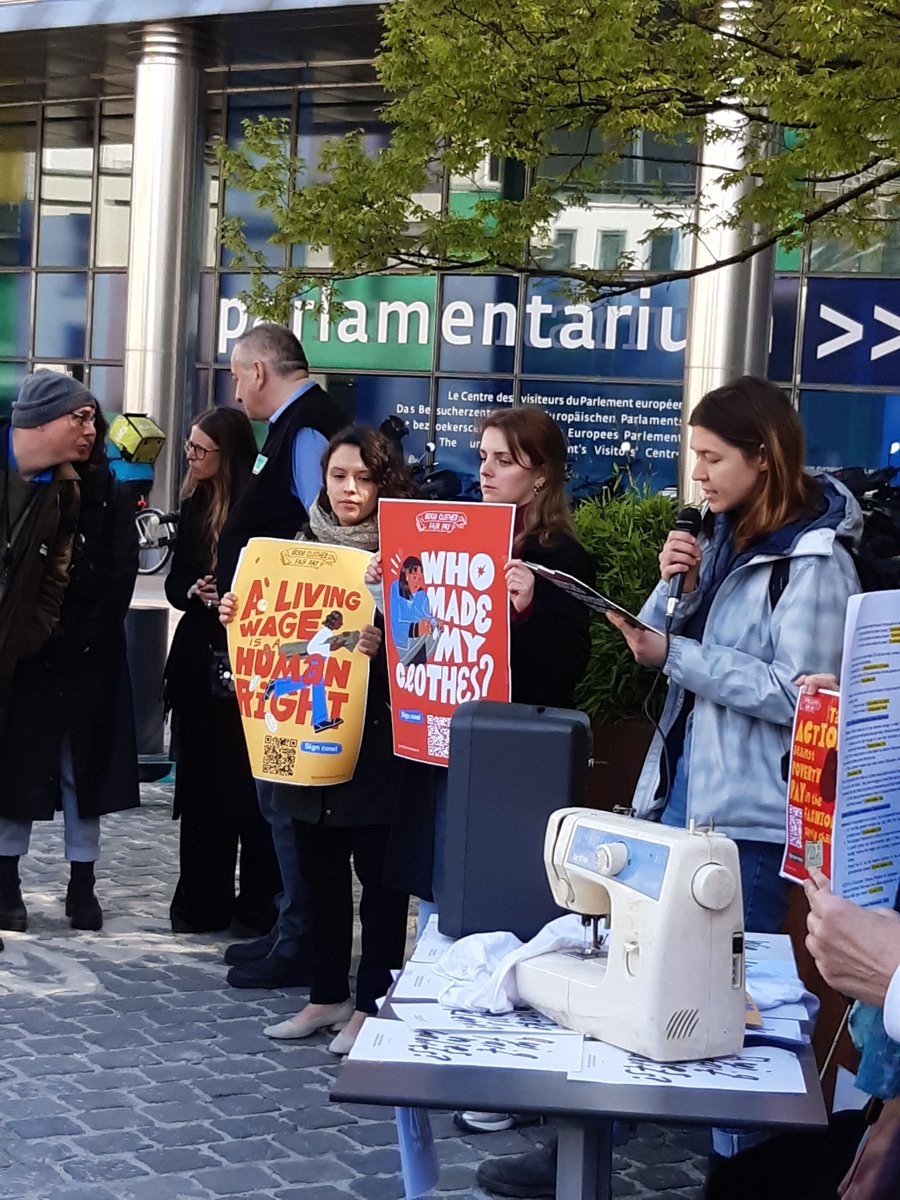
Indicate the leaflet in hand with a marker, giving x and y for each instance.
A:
(580, 591)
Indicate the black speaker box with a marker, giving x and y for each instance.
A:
(511, 766)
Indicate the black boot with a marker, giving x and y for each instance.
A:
(532, 1174)
(12, 907)
(81, 903)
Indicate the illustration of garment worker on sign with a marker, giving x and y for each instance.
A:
(414, 628)
(300, 677)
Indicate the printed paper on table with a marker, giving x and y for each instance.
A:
(446, 613)
(812, 786)
(299, 676)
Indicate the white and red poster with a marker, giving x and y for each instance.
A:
(812, 785)
(446, 613)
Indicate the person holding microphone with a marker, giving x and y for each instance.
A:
(765, 584)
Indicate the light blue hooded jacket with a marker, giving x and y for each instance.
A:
(743, 669)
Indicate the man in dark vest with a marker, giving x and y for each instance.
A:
(271, 381)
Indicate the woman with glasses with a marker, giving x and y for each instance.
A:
(215, 796)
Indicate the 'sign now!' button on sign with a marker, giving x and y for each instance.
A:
(411, 716)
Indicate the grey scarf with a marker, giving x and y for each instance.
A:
(358, 537)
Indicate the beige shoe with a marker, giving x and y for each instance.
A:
(302, 1025)
(343, 1043)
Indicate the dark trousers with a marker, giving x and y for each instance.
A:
(324, 853)
(215, 798)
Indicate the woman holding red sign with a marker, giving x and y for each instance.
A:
(523, 462)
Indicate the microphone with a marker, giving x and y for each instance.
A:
(687, 521)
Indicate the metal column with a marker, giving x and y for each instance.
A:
(730, 312)
(163, 249)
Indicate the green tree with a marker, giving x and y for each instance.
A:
(559, 89)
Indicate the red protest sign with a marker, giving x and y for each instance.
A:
(812, 783)
(446, 613)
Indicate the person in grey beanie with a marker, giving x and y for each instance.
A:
(53, 424)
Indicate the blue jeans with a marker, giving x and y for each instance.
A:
(766, 894)
(82, 834)
(292, 901)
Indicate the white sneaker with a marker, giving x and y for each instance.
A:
(302, 1025)
(485, 1122)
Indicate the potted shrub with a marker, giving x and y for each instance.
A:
(623, 532)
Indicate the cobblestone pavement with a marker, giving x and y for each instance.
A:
(129, 1071)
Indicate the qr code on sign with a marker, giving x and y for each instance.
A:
(795, 826)
(279, 756)
(439, 737)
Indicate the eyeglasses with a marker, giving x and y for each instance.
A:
(192, 450)
(84, 416)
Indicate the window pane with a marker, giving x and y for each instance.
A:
(60, 318)
(11, 376)
(462, 404)
(18, 141)
(849, 429)
(607, 426)
(880, 257)
(559, 253)
(610, 245)
(108, 330)
(114, 185)
(107, 384)
(67, 161)
(15, 314)
(258, 224)
(626, 199)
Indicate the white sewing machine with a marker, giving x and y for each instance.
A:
(668, 980)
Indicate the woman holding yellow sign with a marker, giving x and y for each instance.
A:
(353, 819)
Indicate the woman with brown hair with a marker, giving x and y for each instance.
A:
(766, 585)
(523, 462)
(215, 796)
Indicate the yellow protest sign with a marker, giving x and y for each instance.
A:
(299, 677)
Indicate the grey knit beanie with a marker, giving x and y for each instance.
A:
(46, 395)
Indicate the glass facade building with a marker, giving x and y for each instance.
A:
(110, 267)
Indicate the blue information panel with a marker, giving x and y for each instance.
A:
(640, 335)
(849, 429)
(478, 324)
(851, 334)
(609, 426)
(461, 407)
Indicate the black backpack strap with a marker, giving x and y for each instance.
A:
(778, 580)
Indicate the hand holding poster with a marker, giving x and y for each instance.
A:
(447, 615)
(812, 783)
(299, 678)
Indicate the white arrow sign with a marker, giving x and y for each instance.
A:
(854, 331)
(892, 344)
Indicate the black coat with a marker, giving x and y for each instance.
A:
(79, 685)
(550, 645)
(213, 770)
(199, 631)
